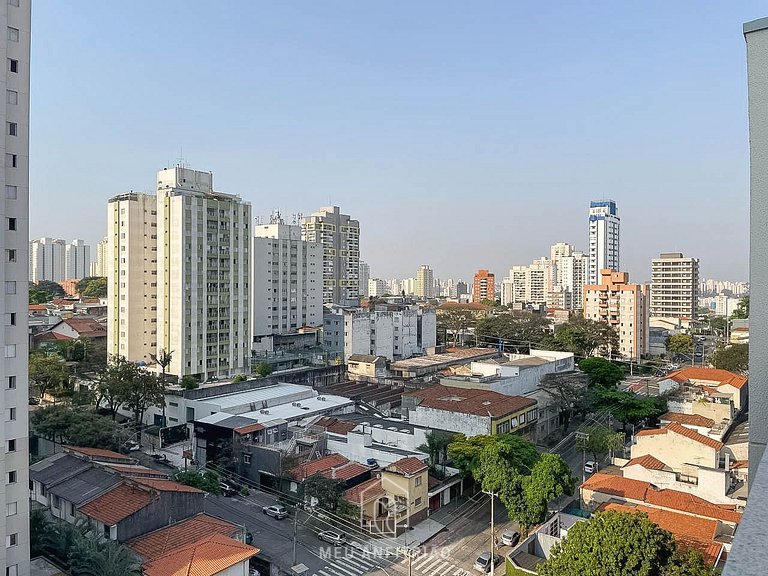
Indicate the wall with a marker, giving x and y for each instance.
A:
(467, 424)
(358, 447)
(170, 507)
(675, 450)
(239, 569)
(712, 484)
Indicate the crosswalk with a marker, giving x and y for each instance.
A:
(356, 563)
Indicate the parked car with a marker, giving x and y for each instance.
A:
(276, 511)
(132, 446)
(372, 462)
(34, 401)
(333, 537)
(227, 489)
(483, 563)
(510, 537)
(590, 466)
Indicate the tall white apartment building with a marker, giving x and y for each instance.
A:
(340, 237)
(178, 276)
(99, 267)
(14, 213)
(394, 334)
(674, 286)
(556, 253)
(77, 260)
(622, 305)
(424, 284)
(377, 287)
(203, 271)
(572, 272)
(287, 280)
(131, 269)
(603, 238)
(528, 284)
(363, 277)
(46, 260)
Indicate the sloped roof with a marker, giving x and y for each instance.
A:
(366, 358)
(206, 557)
(617, 486)
(96, 453)
(334, 425)
(86, 327)
(693, 435)
(57, 468)
(308, 469)
(166, 485)
(86, 485)
(346, 471)
(119, 503)
(689, 419)
(648, 462)
(407, 466)
(365, 491)
(188, 531)
(135, 470)
(651, 432)
(471, 401)
(707, 374)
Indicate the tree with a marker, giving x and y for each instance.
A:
(143, 391)
(568, 391)
(466, 453)
(600, 440)
(207, 481)
(457, 320)
(627, 407)
(325, 493)
(680, 344)
(50, 287)
(609, 544)
(189, 382)
(78, 427)
(734, 358)
(163, 358)
(742, 310)
(47, 371)
(518, 330)
(688, 562)
(437, 445)
(584, 337)
(114, 383)
(601, 372)
(92, 287)
(263, 369)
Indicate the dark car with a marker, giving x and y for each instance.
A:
(227, 489)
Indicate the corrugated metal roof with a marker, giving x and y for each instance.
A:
(85, 486)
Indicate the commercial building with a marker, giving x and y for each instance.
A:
(674, 286)
(178, 276)
(99, 267)
(484, 286)
(77, 260)
(339, 236)
(604, 245)
(392, 331)
(622, 305)
(424, 283)
(46, 260)
(287, 281)
(14, 238)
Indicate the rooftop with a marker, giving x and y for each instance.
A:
(180, 534)
(166, 485)
(208, 556)
(471, 401)
(86, 485)
(312, 467)
(100, 454)
(689, 419)
(57, 468)
(364, 492)
(119, 503)
(408, 466)
(648, 462)
(452, 356)
(720, 377)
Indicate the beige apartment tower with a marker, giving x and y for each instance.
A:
(424, 284)
(14, 269)
(622, 305)
(339, 236)
(674, 286)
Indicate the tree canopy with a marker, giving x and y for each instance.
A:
(78, 427)
(568, 391)
(600, 440)
(742, 310)
(734, 358)
(263, 369)
(680, 344)
(518, 330)
(626, 407)
(466, 453)
(44, 291)
(92, 287)
(584, 338)
(601, 372)
(47, 372)
(207, 481)
(456, 320)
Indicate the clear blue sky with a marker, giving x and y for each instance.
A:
(462, 135)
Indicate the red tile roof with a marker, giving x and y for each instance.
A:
(648, 462)
(206, 557)
(651, 432)
(307, 469)
(117, 504)
(690, 419)
(740, 464)
(130, 470)
(96, 453)
(335, 426)
(346, 471)
(166, 485)
(86, 327)
(364, 492)
(693, 435)
(188, 531)
(249, 428)
(471, 401)
(617, 486)
(708, 374)
(407, 466)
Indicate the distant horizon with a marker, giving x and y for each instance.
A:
(465, 137)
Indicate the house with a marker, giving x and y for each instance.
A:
(677, 445)
(423, 367)
(332, 467)
(470, 411)
(395, 500)
(711, 392)
(202, 545)
(72, 329)
(367, 367)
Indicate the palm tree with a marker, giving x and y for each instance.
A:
(163, 359)
(111, 559)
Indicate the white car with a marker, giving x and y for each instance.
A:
(335, 538)
(510, 537)
(590, 466)
(278, 512)
(483, 562)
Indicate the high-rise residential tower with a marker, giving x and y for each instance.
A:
(674, 286)
(14, 337)
(77, 260)
(46, 260)
(603, 238)
(363, 276)
(287, 289)
(99, 267)
(424, 282)
(340, 237)
(484, 286)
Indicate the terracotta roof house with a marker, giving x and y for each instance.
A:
(212, 555)
(709, 382)
(73, 328)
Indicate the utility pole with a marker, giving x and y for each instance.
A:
(493, 534)
(295, 522)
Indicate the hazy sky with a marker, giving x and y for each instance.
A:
(462, 135)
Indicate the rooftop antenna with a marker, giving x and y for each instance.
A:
(181, 163)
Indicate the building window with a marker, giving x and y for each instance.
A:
(13, 65)
(10, 319)
(10, 351)
(107, 531)
(10, 255)
(11, 384)
(12, 473)
(13, 34)
(13, 128)
(54, 501)
(417, 503)
(11, 508)
(12, 445)
(11, 540)
(12, 570)
(11, 223)
(13, 3)
(11, 192)
(11, 414)
(246, 458)
(11, 160)
(10, 287)
(418, 481)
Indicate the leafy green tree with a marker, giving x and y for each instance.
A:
(37, 296)
(53, 289)
(456, 320)
(38, 527)
(611, 544)
(47, 371)
(189, 382)
(437, 446)
(584, 338)
(92, 287)
(688, 562)
(207, 481)
(78, 427)
(325, 493)
(734, 358)
(518, 330)
(601, 372)
(626, 407)
(568, 393)
(263, 369)
(143, 391)
(600, 440)
(550, 478)
(466, 453)
(742, 310)
(114, 384)
(680, 344)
